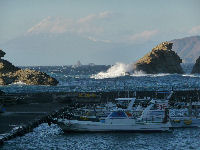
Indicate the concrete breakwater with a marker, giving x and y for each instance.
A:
(96, 97)
(93, 97)
(21, 130)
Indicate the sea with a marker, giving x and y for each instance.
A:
(51, 137)
(96, 78)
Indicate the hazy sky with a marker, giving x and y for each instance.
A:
(113, 22)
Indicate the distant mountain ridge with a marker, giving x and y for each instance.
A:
(188, 48)
(62, 49)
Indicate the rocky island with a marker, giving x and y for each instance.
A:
(160, 60)
(11, 74)
(196, 68)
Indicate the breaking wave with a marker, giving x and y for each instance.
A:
(117, 70)
(121, 69)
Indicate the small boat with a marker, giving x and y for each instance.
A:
(180, 118)
(184, 117)
(117, 120)
(117, 123)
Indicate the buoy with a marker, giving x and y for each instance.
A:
(188, 122)
(177, 121)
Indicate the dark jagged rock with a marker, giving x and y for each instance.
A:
(196, 68)
(2, 53)
(6, 66)
(10, 74)
(160, 60)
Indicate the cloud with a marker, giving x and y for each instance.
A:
(92, 17)
(195, 30)
(105, 14)
(87, 18)
(88, 24)
(52, 25)
(143, 36)
(97, 40)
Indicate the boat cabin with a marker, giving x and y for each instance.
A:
(119, 117)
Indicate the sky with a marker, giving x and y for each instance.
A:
(100, 27)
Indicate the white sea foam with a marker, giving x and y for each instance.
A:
(117, 70)
(138, 74)
(191, 75)
(159, 74)
(121, 69)
(19, 83)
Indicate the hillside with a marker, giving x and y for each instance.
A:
(188, 48)
(25, 50)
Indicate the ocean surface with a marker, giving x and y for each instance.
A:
(51, 137)
(105, 78)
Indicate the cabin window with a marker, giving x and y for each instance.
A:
(118, 114)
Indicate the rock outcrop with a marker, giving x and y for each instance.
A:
(2, 53)
(10, 74)
(160, 60)
(196, 68)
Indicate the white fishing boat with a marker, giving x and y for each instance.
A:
(118, 120)
(135, 117)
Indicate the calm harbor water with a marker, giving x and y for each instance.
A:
(45, 138)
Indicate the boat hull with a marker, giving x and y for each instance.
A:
(88, 126)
